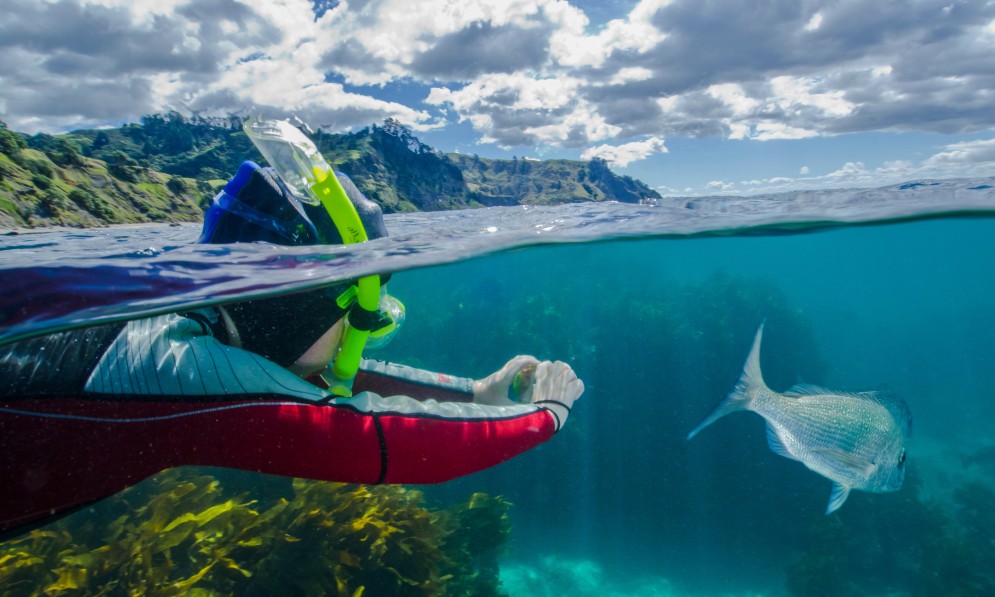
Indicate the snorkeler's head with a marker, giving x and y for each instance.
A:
(256, 206)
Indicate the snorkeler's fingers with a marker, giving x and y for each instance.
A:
(493, 389)
(518, 363)
(557, 388)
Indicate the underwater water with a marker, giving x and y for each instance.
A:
(656, 317)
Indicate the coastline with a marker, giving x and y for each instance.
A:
(19, 231)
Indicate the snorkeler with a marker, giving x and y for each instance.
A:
(249, 385)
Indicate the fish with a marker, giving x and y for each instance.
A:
(857, 440)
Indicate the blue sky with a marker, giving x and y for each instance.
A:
(694, 97)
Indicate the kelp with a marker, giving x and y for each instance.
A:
(902, 544)
(181, 534)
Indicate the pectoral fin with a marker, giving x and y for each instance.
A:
(776, 443)
(863, 467)
(837, 497)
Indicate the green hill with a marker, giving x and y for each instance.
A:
(168, 167)
(59, 186)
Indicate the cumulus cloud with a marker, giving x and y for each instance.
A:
(520, 72)
(623, 155)
(965, 153)
(970, 158)
(76, 63)
(519, 109)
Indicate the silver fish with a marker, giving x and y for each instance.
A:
(854, 439)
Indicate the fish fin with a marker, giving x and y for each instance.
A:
(751, 378)
(808, 389)
(777, 444)
(898, 408)
(836, 498)
(742, 395)
(853, 462)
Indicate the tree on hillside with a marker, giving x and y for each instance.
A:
(171, 132)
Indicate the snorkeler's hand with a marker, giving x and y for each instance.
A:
(556, 389)
(494, 389)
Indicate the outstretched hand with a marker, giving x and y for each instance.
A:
(494, 388)
(557, 387)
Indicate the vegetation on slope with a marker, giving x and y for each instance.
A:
(168, 167)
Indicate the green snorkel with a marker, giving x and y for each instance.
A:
(305, 171)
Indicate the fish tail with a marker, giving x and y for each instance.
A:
(751, 383)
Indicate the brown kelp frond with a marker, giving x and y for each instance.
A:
(181, 534)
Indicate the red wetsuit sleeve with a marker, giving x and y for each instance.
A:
(391, 379)
(431, 449)
(58, 453)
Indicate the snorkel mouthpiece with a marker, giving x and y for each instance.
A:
(302, 167)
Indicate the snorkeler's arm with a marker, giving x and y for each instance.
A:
(431, 442)
(556, 385)
(391, 379)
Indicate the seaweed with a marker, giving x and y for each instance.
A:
(961, 562)
(181, 534)
(902, 545)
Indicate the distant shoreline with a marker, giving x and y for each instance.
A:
(39, 229)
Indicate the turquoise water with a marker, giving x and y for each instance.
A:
(658, 328)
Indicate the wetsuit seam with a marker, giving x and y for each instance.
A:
(176, 362)
(140, 366)
(556, 402)
(216, 370)
(383, 449)
(150, 364)
(258, 360)
(555, 416)
(231, 368)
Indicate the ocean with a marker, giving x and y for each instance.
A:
(655, 308)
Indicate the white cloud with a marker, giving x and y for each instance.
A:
(521, 72)
(732, 95)
(971, 159)
(814, 23)
(572, 47)
(768, 131)
(521, 110)
(803, 171)
(967, 152)
(719, 186)
(795, 93)
(630, 74)
(625, 154)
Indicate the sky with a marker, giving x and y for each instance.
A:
(693, 97)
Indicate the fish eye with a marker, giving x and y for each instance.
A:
(901, 459)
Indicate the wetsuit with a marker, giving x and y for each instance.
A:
(85, 414)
